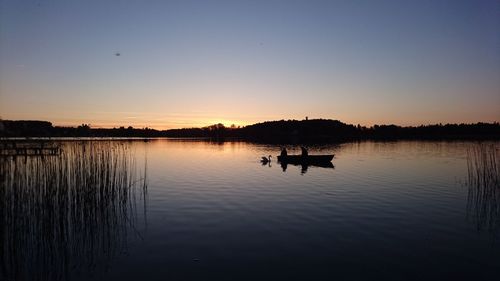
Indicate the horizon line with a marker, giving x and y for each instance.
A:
(240, 125)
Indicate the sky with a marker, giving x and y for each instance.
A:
(195, 63)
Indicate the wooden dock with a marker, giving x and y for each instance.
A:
(29, 148)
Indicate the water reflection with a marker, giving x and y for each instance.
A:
(68, 215)
(216, 213)
(304, 167)
(268, 164)
(483, 200)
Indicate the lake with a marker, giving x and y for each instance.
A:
(199, 210)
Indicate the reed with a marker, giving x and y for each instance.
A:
(483, 180)
(67, 214)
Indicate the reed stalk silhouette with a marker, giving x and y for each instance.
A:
(483, 181)
(67, 214)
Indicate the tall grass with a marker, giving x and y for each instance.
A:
(483, 203)
(67, 214)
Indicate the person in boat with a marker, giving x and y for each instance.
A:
(304, 151)
(284, 153)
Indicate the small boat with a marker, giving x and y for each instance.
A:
(309, 159)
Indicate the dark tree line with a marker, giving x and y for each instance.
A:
(282, 131)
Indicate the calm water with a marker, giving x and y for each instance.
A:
(387, 210)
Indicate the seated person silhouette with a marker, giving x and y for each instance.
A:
(283, 152)
(304, 151)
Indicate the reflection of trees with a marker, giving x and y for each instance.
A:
(483, 201)
(64, 215)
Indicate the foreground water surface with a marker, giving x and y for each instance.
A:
(197, 210)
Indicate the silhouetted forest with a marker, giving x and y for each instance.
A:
(283, 131)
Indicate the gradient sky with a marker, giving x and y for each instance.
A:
(195, 63)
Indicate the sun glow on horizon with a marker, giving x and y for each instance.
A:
(157, 125)
(228, 123)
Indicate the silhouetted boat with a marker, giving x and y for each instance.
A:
(310, 159)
